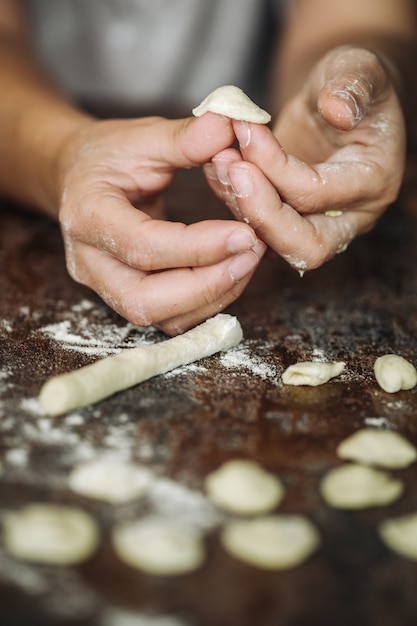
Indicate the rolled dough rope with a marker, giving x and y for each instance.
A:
(232, 102)
(135, 365)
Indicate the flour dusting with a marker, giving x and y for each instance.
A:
(180, 503)
(93, 335)
(244, 358)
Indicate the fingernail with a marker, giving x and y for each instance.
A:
(259, 248)
(243, 133)
(240, 240)
(242, 265)
(350, 103)
(221, 168)
(241, 181)
(210, 171)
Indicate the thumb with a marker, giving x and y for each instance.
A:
(349, 83)
(195, 140)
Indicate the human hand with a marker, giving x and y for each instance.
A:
(334, 161)
(150, 271)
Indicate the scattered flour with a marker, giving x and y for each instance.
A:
(5, 384)
(93, 335)
(243, 358)
(170, 498)
(17, 457)
(378, 422)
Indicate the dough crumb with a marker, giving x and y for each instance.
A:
(394, 373)
(234, 103)
(271, 542)
(312, 373)
(158, 547)
(111, 481)
(383, 448)
(47, 533)
(400, 535)
(354, 486)
(244, 487)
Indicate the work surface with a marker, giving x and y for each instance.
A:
(186, 423)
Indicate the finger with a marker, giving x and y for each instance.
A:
(188, 142)
(216, 174)
(112, 225)
(150, 298)
(181, 323)
(304, 241)
(347, 84)
(355, 173)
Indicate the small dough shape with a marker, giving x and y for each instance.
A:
(132, 366)
(234, 103)
(158, 547)
(48, 533)
(244, 487)
(111, 481)
(400, 535)
(383, 448)
(394, 373)
(312, 373)
(271, 542)
(354, 486)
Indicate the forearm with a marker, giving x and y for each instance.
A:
(315, 27)
(35, 121)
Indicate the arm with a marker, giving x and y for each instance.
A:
(102, 181)
(335, 159)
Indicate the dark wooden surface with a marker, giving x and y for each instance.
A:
(358, 306)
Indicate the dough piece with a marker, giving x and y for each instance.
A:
(47, 533)
(114, 373)
(384, 448)
(112, 481)
(400, 535)
(158, 547)
(244, 487)
(354, 486)
(311, 373)
(272, 542)
(394, 373)
(232, 102)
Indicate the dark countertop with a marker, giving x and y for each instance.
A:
(184, 424)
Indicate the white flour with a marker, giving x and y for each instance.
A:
(243, 358)
(96, 337)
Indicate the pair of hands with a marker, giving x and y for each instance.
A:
(331, 165)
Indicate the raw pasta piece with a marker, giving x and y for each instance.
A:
(271, 542)
(243, 487)
(384, 448)
(232, 102)
(311, 373)
(111, 481)
(400, 535)
(114, 373)
(393, 373)
(158, 547)
(354, 486)
(47, 533)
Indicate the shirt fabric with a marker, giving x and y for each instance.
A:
(150, 51)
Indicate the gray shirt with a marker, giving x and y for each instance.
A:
(150, 51)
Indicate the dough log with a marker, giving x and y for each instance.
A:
(135, 365)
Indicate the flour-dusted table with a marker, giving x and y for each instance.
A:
(186, 423)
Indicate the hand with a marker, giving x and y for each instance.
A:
(338, 164)
(149, 270)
